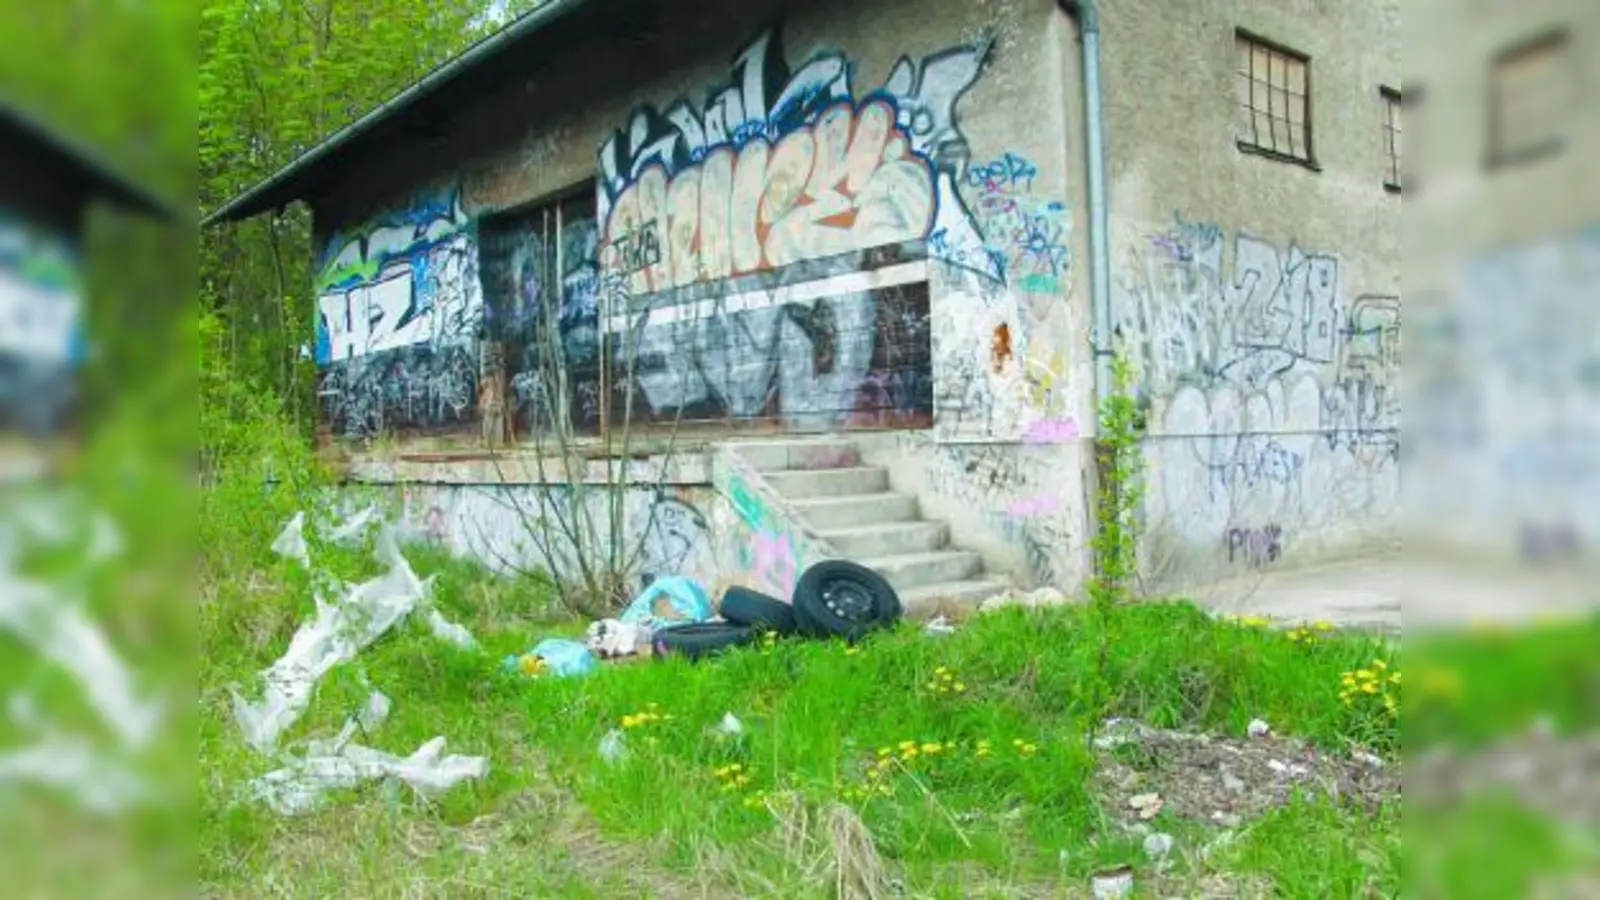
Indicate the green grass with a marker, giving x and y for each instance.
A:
(954, 821)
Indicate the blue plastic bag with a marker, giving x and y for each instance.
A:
(686, 599)
(562, 658)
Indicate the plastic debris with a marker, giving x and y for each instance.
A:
(939, 626)
(301, 786)
(730, 726)
(62, 632)
(612, 638)
(1158, 845)
(291, 542)
(1035, 599)
(613, 747)
(354, 527)
(334, 636)
(1112, 884)
(1146, 805)
(68, 765)
(1258, 728)
(552, 656)
(451, 632)
(672, 600)
(375, 711)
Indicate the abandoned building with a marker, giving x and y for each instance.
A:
(51, 182)
(849, 279)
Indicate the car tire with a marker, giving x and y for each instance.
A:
(698, 640)
(843, 599)
(743, 606)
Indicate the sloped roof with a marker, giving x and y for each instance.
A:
(83, 174)
(497, 56)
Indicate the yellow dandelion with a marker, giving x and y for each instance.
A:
(908, 745)
(940, 670)
(884, 751)
(960, 687)
(931, 747)
(1323, 626)
(1369, 688)
(1379, 664)
(1394, 678)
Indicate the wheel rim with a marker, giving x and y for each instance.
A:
(848, 600)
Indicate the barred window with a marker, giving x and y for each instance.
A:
(1530, 95)
(1274, 99)
(1391, 137)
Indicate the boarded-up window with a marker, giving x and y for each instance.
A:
(1530, 97)
(1274, 95)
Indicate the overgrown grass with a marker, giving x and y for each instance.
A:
(965, 757)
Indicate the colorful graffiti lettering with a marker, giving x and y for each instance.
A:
(399, 313)
(41, 329)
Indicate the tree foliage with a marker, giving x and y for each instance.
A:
(276, 77)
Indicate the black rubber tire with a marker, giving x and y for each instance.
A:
(697, 640)
(839, 598)
(743, 606)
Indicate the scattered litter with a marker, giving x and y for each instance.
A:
(1231, 782)
(1146, 805)
(334, 636)
(939, 626)
(1116, 733)
(299, 787)
(612, 638)
(672, 600)
(1036, 599)
(1371, 759)
(1158, 845)
(1226, 820)
(352, 530)
(375, 711)
(62, 632)
(1283, 768)
(730, 726)
(613, 747)
(1112, 884)
(451, 632)
(291, 542)
(97, 783)
(1258, 728)
(553, 656)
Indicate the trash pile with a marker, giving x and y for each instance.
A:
(338, 631)
(834, 598)
(50, 618)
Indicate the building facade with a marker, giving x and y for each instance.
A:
(861, 233)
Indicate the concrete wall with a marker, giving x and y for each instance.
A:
(1503, 263)
(894, 245)
(1259, 298)
(870, 218)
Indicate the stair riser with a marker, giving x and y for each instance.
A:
(799, 456)
(829, 482)
(892, 542)
(953, 567)
(871, 509)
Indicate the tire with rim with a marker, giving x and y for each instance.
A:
(698, 640)
(839, 598)
(761, 612)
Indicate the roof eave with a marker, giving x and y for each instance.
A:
(288, 184)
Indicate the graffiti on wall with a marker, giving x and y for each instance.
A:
(664, 531)
(1275, 396)
(537, 264)
(398, 316)
(41, 329)
(770, 240)
(1024, 236)
(1019, 493)
(771, 551)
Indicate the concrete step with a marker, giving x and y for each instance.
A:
(913, 570)
(798, 484)
(824, 513)
(797, 454)
(895, 539)
(956, 599)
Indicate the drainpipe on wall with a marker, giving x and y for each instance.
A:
(1087, 15)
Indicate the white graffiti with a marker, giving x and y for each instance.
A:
(426, 300)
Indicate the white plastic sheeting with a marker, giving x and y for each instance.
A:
(335, 635)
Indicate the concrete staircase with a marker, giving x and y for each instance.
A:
(852, 507)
